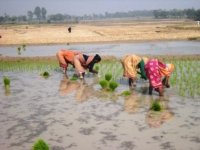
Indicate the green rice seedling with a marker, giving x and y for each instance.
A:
(74, 78)
(24, 46)
(19, 50)
(45, 74)
(104, 84)
(125, 93)
(113, 85)
(108, 76)
(155, 106)
(6, 81)
(96, 68)
(40, 145)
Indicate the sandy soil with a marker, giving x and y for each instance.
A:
(103, 31)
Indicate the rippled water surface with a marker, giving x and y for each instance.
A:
(77, 115)
(115, 49)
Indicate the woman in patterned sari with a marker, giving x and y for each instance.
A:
(133, 65)
(158, 74)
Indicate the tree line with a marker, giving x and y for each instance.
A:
(39, 15)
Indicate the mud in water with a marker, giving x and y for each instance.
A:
(78, 115)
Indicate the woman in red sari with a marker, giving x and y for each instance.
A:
(158, 74)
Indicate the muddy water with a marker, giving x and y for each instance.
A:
(77, 115)
(113, 49)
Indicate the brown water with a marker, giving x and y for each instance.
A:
(77, 115)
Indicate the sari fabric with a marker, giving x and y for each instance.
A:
(66, 57)
(155, 70)
(166, 71)
(130, 63)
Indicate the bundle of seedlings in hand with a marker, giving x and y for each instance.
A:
(40, 145)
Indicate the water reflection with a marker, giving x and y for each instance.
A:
(67, 86)
(82, 90)
(139, 99)
(131, 103)
(157, 118)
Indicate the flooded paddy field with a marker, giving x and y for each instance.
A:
(111, 49)
(78, 114)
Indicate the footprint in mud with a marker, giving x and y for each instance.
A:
(167, 146)
(127, 145)
(87, 131)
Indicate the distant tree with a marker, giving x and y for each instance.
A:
(22, 18)
(197, 15)
(56, 17)
(160, 14)
(43, 12)
(190, 13)
(1, 19)
(30, 15)
(37, 12)
(13, 19)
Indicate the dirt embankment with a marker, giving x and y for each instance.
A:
(99, 32)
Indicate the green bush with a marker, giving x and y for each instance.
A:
(104, 84)
(155, 106)
(40, 145)
(113, 85)
(108, 76)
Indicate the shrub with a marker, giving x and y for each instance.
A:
(108, 76)
(104, 84)
(113, 85)
(155, 106)
(40, 145)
